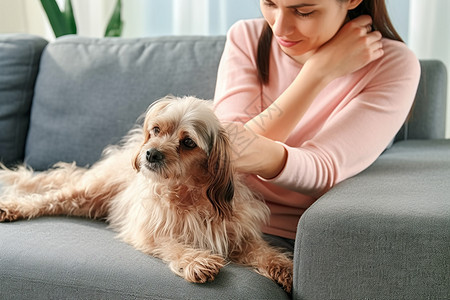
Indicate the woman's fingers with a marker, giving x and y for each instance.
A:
(362, 21)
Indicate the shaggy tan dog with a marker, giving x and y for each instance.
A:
(169, 190)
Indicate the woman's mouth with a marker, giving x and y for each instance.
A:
(286, 43)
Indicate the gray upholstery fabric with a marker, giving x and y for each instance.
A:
(90, 92)
(428, 118)
(71, 258)
(19, 61)
(380, 235)
(384, 234)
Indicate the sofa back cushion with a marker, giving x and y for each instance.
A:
(19, 62)
(91, 91)
(428, 117)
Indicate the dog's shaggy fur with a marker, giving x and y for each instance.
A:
(169, 190)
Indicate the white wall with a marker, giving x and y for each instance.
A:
(399, 13)
(429, 25)
(23, 16)
(28, 16)
(425, 27)
(177, 17)
(92, 16)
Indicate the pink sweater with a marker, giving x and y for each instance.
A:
(345, 129)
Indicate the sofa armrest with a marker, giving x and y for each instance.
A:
(383, 234)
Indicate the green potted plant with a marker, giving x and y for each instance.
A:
(63, 21)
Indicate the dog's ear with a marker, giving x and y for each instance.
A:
(220, 191)
(152, 111)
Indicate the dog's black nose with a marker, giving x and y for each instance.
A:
(154, 155)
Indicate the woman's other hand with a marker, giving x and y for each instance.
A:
(354, 46)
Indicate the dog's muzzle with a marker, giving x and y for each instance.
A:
(155, 158)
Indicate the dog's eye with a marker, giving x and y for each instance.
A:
(188, 143)
(156, 130)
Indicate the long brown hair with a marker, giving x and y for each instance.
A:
(374, 8)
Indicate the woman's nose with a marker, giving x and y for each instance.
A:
(283, 25)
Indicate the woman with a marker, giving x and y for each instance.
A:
(311, 95)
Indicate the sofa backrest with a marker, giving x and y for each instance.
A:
(19, 62)
(428, 117)
(90, 92)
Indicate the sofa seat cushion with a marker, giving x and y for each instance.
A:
(74, 258)
(383, 234)
(19, 63)
(90, 91)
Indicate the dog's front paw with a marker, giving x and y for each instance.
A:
(200, 268)
(7, 215)
(204, 269)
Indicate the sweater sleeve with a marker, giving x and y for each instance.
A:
(357, 133)
(238, 90)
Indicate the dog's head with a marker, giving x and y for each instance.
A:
(185, 142)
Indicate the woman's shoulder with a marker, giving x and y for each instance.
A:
(393, 48)
(243, 36)
(398, 57)
(246, 29)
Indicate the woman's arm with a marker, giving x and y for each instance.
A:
(351, 138)
(351, 49)
(331, 155)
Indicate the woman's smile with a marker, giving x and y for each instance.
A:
(287, 43)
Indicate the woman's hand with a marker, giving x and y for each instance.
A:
(354, 46)
(255, 154)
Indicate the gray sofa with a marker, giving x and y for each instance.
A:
(383, 234)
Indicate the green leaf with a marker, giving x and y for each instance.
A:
(70, 18)
(115, 24)
(62, 22)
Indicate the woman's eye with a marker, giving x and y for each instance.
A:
(156, 130)
(189, 143)
(303, 14)
(269, 3)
